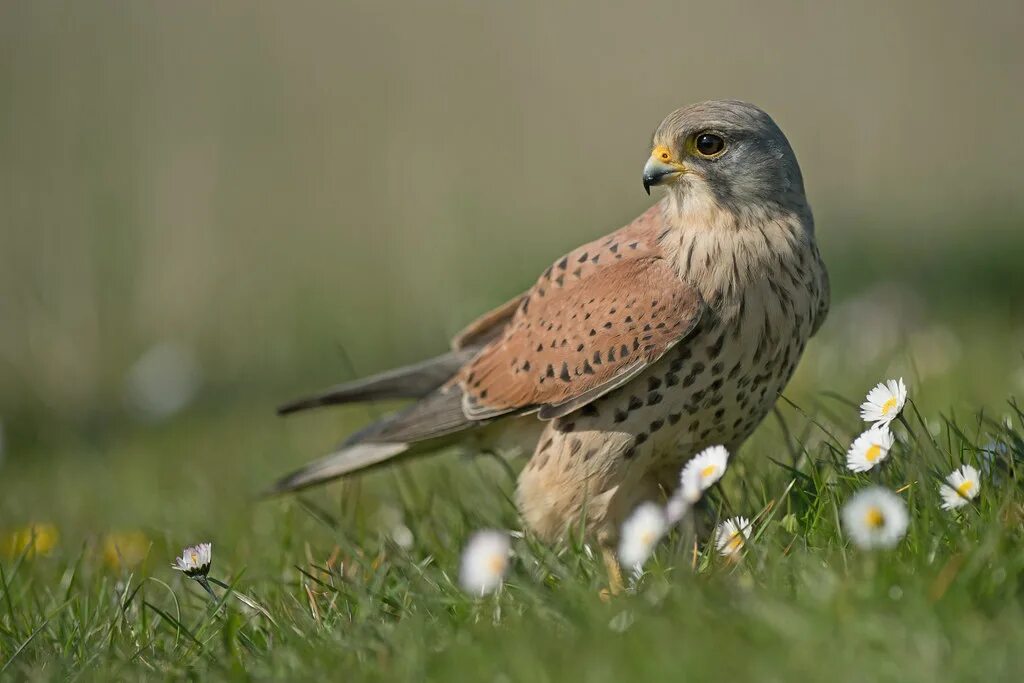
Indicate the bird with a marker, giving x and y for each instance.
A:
(630, 353)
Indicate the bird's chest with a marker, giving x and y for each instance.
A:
(715, 387)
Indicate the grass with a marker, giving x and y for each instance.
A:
(115, 499)
(259, 186)
(341, 595)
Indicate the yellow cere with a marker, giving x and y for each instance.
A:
(708, 471)
(888, 405)
(661, 153)
(873, 453)
(965, 488)
(874, 518)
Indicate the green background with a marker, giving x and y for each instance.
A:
(291, 194)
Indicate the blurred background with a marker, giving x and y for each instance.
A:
(207, 209)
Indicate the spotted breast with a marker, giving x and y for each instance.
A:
(765, 292)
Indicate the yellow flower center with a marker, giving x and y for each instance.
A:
(873, 453)
(874, 518)
(708, 471)
(888, 405)
(735, 542)
(647, 538)
(496, 564)
(195, 557)
(965, 488)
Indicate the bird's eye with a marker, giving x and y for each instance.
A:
(709, 144)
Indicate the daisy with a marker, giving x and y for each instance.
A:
(641, 533)
(731, 535)
(676, 508)
(485, 561)
(875, 517)
(885, 402)
(195, 560)
(703, 470)
(870, 449)
(960, 487)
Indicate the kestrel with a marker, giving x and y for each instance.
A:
(633, 352)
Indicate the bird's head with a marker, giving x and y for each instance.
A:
(724, 151)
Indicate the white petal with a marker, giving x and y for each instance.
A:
(485, 561)
(641, 533)
(884, 402)
(869, 449)
(951, 500)
(962, 485)
(875, 517)
(703, 471)
(731, 535)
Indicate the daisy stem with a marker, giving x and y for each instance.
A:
(910, 430)
(725, 503)
(496, 608)
(871, 565)
(924, 426)
(244, 599)
(201, 580)
(907, 426)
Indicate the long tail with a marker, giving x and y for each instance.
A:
(421, 428)
(411, 381)
(345, 460)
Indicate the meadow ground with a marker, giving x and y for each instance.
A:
(359, 580)
(246, 196)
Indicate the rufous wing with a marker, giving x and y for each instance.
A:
(566, 347)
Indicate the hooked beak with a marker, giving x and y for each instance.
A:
(658, 172)
(661, 168)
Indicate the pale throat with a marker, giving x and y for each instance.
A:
(728, 257)
(714, 246)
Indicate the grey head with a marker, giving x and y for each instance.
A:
(729, 151)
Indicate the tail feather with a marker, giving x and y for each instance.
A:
(344, 461)
(420, 428)
(411, 381)
(439, 414)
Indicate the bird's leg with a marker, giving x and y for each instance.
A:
(607, 542)
(611, 564)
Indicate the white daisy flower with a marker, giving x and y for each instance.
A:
(731, 535)
(961, 485)
(869, 449)
(676, 508)
(875, 517)
(885, 402)
(641, 533)
(703, 470)
(195, 560)
(485, 561)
